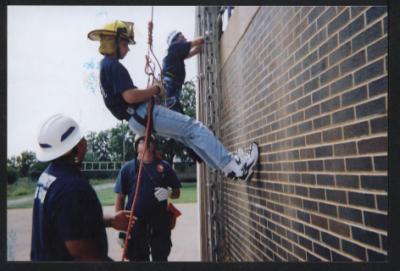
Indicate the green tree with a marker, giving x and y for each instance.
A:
(24, 162)
(12, 175)
(188, 99)
(121, 142)
(12, 162)
(98, 149)
(111, 144)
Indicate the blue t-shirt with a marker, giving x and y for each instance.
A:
(156, 174)
(65, 208)
(174, 62)
(114, 80)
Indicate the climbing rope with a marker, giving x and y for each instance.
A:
(150, 68)
(150, 71)
(139, 180)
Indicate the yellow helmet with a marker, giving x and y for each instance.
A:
(125, 30)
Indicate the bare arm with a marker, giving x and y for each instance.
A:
(84, 250)
(197, 42)
(195, 47)
(119, 202)
(176, 193)
(135, 95)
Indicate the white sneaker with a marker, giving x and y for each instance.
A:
(233, 168)
(249, 160)
(243, 163)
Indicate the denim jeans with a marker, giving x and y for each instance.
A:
(190, 132)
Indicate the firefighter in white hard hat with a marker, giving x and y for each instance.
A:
(151, 233)
(68, 222)
(174, 73)
(126, 101)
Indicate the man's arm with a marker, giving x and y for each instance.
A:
(135, 95)
(197, 42)
(119, 201)
(195, 47)
(85, 250)
(119, 221)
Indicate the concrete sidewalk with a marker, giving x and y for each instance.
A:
(185, 236)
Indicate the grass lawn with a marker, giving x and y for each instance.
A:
(25, 188)
(21, 188)
(188, 195)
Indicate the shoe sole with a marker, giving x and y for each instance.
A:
(250, 170)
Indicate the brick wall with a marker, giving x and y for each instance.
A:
(309, 84)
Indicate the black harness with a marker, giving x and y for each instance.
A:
(143, 121)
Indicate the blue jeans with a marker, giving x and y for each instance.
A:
(190, 132)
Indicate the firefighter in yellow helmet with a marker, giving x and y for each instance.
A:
(111, 35)
(127, 102)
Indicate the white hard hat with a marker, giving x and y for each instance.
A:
(58, 135)
(171, 36)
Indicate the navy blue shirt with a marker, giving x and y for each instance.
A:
(114, 80)
(174, 62)
(156, 174)
(65, 208)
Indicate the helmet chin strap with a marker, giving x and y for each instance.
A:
(117, 39)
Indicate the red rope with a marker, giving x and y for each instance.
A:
(149, 70)
(139, 180)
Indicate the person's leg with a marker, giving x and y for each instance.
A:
(138, 246)
(195, 135)
(192, 154)
(160, 238)
(191, 132)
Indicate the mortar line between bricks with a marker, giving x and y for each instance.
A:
(247, 238)
(352, 72)
(282, 247)
(244, 237)
(282, 237)
(341, 237)
(330, 113)
(336, 219)
(336, 188)
(324, 173)
(326, 201)
(234, 236)
(337, 204)
(323, 158)
(284, 50)
(316, 49)
(307, 146)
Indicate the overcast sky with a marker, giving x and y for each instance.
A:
(52, 67)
